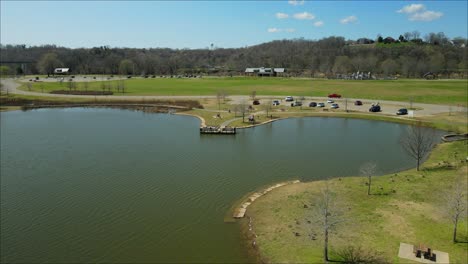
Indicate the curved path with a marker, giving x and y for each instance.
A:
(388, 107)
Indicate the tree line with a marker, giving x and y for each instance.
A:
(407, 56)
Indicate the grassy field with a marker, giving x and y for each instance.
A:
(437, 91)
(404, 207)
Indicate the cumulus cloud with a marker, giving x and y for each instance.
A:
(273, 30)
(295, 2)
(281, 15)
(304, 16)
(425, 16)
(277, 30)
(350, 19)
(418, 12)
(318, 24)
(413, 8)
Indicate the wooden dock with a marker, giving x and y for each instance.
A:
(218, 130)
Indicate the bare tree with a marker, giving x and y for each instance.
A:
(368, 169)
(253, 94)
(224, 95)
(418, 142)
(456, 204)
(330, 216)
(267, 106)
(242, 107)
(85, 85)
(122, 85)
(219, 97)
(346, 104)
(29, 85)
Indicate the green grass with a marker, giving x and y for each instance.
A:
(412, 214)
(452, 92)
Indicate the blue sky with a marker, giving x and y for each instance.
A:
(196, 24)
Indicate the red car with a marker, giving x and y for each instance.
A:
(334, 95)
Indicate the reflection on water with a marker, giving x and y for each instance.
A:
(103, 185)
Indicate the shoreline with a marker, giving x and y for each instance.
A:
(247, 224)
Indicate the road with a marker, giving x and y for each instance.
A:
(388, 107)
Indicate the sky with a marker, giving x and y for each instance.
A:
(226, 24)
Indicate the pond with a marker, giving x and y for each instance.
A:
(115, 186)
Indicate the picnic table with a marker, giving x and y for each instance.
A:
(424, 251)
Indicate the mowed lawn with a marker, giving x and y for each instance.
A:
(452, 92)
(404, 207)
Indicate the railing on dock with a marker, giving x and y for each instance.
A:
(217, 130)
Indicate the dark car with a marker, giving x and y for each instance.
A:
(256, 102)
(312, 104)
(375, 108)
(358, 102)
(334, 95)
(297, 103)
(402, 111)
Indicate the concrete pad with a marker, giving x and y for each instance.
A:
(406, 252)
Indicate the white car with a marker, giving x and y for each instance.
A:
(330, 101)
(320, 105)
(289, 99)
(334, 106)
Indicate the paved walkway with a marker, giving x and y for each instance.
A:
(226, 123)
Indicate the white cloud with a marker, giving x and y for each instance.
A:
(281, 15)
(418, 12)
(413, 8)
(295, 2)
(303, 16)
(273, 30)
(277, 30)
(318, 24)
(350, 19)
(426, 16)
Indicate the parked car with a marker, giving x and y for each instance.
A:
(375, 108)
(402, 111)
(334, 95)
(358, 102)
(320, 105)
(256, 102)
(297, 103)
(330, 101)
(289, 99)
(276, 102)
(334, 106)
(312, 104)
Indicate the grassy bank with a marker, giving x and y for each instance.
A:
(436, 91)
(15, 101)
(404, 207)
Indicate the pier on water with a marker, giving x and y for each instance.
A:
(218, 130)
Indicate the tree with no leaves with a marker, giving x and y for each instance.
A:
(267, 106)
(253, 94)
(330, 215)
(456, 204)
(48, 63)
(368, 170)
(418, 142)
(219, 97)
(242, 108)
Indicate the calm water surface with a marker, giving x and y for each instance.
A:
(104, 185)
